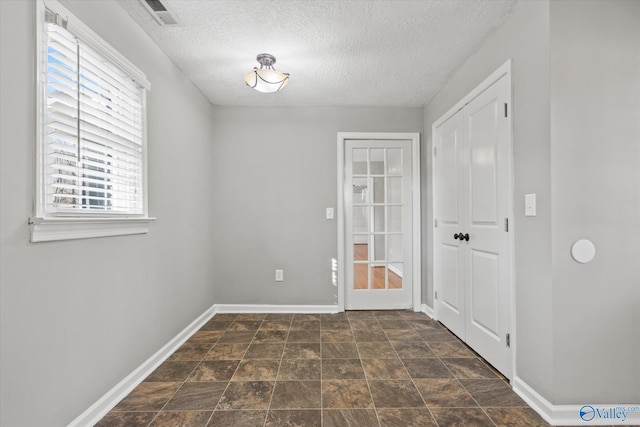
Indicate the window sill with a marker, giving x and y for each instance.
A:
(53, 229)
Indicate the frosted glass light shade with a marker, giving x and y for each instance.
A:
(266, 80)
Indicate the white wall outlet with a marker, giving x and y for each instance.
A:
(530, 204)
(279, 275)
(329, 213)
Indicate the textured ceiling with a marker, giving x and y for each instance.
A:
(338, 52)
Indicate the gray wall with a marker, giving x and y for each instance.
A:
(595, 151)
(239, 192)
(66, 336)
(576, 132)
(525, 38)
(275, 175)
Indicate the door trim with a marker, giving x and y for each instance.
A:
(414, 137)
(505, 70)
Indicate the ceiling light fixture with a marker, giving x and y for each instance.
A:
(266, 79)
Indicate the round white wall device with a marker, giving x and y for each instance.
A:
(583, 251)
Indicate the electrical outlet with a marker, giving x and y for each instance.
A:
(279, 275)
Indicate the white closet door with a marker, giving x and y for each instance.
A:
(488, 255)
(449, 251)
(472, 257)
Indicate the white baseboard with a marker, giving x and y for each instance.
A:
(569, 415)
(428, 311)
(107, 402)
(533, 399)
(275, 308)
(553, 414)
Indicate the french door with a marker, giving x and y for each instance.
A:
(473, 204)
(378, 208)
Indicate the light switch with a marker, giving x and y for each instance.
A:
(329, 213)
(279, 275)
(530, 204)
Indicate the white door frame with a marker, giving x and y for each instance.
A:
(504, 70)
(414, 137)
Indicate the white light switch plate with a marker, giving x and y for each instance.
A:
(279, 275)
(530, 204)
(329, 213)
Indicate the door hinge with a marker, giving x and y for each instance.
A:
(435, 223)
(509, 340)
(436, 296)
(506, 225)
(505, 110)
(435, 151)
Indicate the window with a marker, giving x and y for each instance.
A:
(92, 143)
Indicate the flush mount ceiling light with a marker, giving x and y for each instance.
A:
(266, 79)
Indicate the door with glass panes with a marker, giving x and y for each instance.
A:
(378, 209)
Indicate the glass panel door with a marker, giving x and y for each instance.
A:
(378, 224)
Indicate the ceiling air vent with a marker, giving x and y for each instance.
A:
(160, 12)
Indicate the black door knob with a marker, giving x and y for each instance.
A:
(455, 236)
(464, 237)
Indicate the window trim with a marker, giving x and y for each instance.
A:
(65, 228)
(80, 225)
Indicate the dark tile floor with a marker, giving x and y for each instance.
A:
(363, 368)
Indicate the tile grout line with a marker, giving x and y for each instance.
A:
(185, 380)
(203, 359)
(477, 403)
(194, 369)
(451, 372)
(409, 374)
(322, 342)
(438, 357)
(477, 356)
(234, 372)
(275, 380)
(366, 378)
(449, 350)
(458, 379)
(228, 382)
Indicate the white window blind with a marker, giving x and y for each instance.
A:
(93, 129)
(91, 178)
